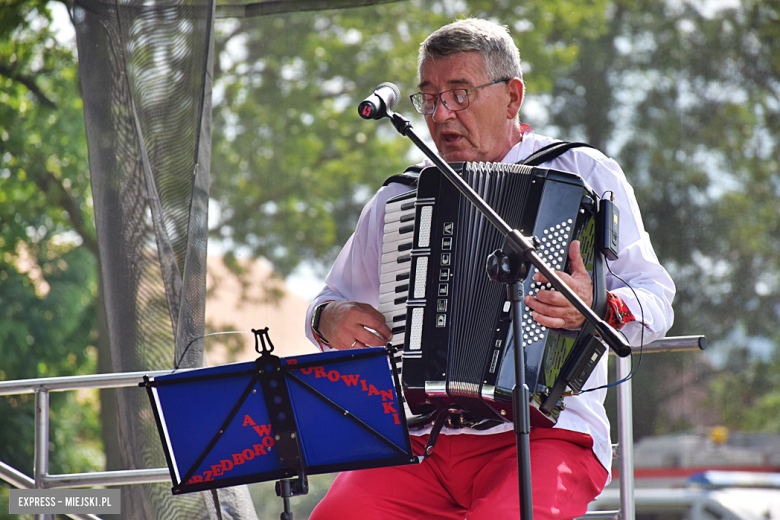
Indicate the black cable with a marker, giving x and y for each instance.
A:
(633, 370)
(181, 358)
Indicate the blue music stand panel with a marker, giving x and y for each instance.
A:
(216, 430)
(365, 388)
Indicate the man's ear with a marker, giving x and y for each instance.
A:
(516, 91)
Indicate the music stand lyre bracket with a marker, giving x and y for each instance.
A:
(280, 412)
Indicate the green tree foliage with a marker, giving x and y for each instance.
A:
(47, 245)
(292, 163)
(687, 101)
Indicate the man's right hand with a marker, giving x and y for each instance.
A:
(345, 325)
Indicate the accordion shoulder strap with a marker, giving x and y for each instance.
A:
(541, 156)
(408, 177)
(550, 152)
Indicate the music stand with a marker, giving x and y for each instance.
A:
(279, 418)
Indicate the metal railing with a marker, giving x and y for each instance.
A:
(41, 478)
(624, 448)
(43, 386)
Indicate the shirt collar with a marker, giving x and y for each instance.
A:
(522, 149)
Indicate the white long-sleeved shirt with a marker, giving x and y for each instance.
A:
(355, 277)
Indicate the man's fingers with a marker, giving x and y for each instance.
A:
(552, 310)
(369, 338)
(576, 264)
(353, 325)
(548, 321)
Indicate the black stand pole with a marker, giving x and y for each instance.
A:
(286, 488)
(510, 266)
(520, 400)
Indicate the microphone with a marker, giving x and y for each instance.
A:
(384, 98)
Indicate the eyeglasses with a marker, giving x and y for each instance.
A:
(455, 99)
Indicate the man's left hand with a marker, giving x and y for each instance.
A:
(550, 308)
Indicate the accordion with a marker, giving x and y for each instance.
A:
(453, 322)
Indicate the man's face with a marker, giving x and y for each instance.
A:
(479, 132)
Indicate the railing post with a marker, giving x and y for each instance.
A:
(41, 464)
(625, 439)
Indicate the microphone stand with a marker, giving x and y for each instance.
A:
(510, 267)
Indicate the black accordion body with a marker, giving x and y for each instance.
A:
(453, 322)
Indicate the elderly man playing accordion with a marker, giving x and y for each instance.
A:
(470, 93)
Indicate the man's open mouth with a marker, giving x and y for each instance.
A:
(449, 137)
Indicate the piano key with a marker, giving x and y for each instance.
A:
(397, 340)
(394, 288)
(400, 245)
(399, 282)
(392, 307)
(397, 242)
(401, 216)
(393, 296)
(392, 267)
(396, 328)
(399, 205)
(393, 277)
(397, 320)
(403, 198)
(397, 233)
(397, 230)
(397, 256)
(401, 227)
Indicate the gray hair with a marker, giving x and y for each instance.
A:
(490, 40)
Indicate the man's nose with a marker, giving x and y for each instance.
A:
(445, 113)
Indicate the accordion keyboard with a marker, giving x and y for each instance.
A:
(396, 262)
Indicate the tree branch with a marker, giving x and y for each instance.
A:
(66, 202)
(29, 83)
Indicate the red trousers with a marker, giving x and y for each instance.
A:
(473, 477)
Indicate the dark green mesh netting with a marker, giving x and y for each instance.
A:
(146, 72)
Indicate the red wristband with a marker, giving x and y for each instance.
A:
(618, 313)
